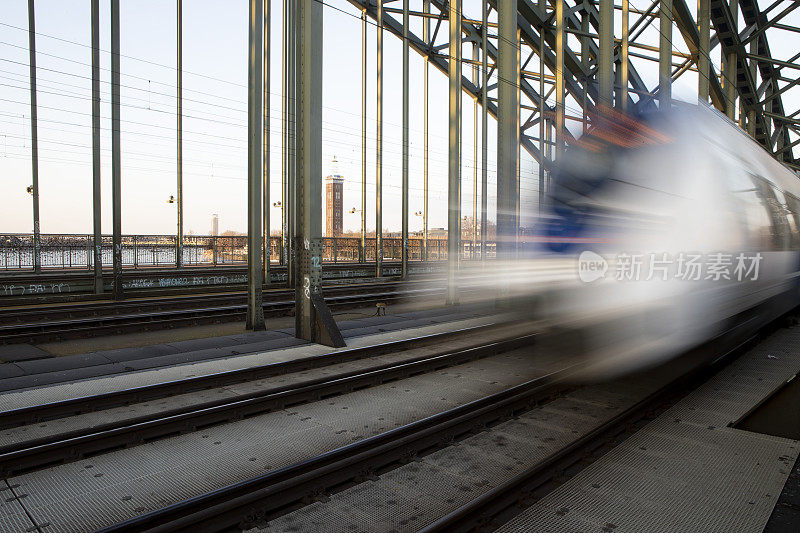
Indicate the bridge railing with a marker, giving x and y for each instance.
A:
(74, 251)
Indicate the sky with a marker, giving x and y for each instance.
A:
(215, 113)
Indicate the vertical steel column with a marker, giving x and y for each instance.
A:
(364, 136)
(284, 144)
(623, 78)
(474, 153)
(665, 56)
(379, 146)
(179, 155)
(751, 113)
(116, 163)
(265, 208)
(37, 242)
(703, 50)
(518, 192)
(769, 123)
(255, 169)
(96, 184)
(779, 142)
(454, 153)
(289, 109)
(507, 128)
(729, 84)
(542, 106)
(605, 57)
(742, 116)
(585, 41)
(426, 32)
(313, 321)
(291, 184)
(484, 125)
(548, 142)
(404, 229)
(559, 13)
(751, 122)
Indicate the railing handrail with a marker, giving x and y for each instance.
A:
(108, 235)
(74, 250)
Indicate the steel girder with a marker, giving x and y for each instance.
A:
(688, 27)
(576, 77)
(728, 35)
(634, 80)
(440, 61)
(758, 21)
(750, 92)
(530, 21)
(579, 78)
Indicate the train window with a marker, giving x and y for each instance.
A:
(758, 224)
(779, 234)
(793, 207)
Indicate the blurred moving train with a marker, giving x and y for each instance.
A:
(660, 232)
(678, 225)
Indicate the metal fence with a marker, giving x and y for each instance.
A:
(61, 251)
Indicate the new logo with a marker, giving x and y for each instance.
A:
(591, 266)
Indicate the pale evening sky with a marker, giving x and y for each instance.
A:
(215, 105)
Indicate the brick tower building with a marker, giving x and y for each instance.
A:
(334, 216)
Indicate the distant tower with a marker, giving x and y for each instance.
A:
(334, 184)
(214, 224)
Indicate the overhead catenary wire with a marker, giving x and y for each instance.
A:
(238, 110)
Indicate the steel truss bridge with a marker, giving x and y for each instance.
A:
(541, 68)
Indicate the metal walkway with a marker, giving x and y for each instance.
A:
(687, 470)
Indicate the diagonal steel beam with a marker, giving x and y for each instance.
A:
(780, 91)
(772, 22)
(732, 46)
(634, 80)
(754, 17)
(440, 62)
(688, 27)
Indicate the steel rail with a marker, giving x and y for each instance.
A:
(74, 445)
(16, 314)
(478, 513)
(281, 303)
(129, 395)
(245, 502)
(29, 316)
(154, 282)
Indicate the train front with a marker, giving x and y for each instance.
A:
(633, 215)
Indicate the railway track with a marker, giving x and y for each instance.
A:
(245, 503)
(401, 359)
(63, 321)
(54, 286)
(251, 502)
(497, 506)
(280, 491)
